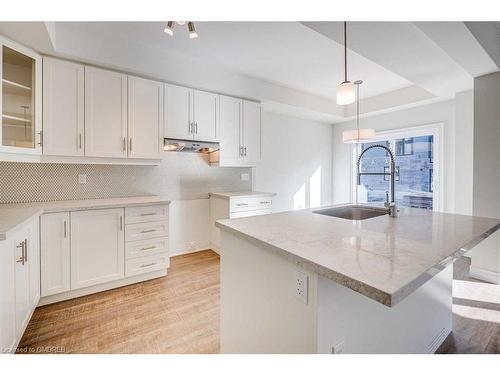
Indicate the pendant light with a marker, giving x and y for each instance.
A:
(358, 135)
(345, 92)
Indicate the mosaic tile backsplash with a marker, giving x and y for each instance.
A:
(179, 176)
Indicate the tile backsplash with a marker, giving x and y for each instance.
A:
(179, 176)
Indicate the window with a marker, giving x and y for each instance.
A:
(415, 170)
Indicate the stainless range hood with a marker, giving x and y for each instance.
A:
(183, 145)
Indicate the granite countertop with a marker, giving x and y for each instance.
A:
(241, 194)
(14, 215)
(383, 258)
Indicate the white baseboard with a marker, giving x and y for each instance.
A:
(184, 252)
(485, 275)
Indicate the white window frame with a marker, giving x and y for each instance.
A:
(434, 129)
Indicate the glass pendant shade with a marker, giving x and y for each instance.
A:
(358, 136)
(346, 93)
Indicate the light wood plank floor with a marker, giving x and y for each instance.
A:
(174, 314)
(180, 314)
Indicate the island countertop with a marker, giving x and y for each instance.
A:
(383, 258)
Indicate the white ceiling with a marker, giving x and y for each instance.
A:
(287, 53)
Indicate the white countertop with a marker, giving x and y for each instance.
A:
(383, 258)
(241, 194)
(14, 215)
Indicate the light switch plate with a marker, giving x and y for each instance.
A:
(245, 177)
(82, 178)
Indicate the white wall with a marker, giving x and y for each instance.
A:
(441, 112)
(296, 161)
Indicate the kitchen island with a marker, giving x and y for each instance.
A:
(302, 282)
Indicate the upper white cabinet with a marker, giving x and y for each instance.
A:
(105, 113)
(190, 114)
(55, 253)
(63, 108)
(21, 99)
(97, 247)
(205, 112)
(240, 133)
(145, 118)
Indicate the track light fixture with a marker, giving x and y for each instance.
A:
(169, 29)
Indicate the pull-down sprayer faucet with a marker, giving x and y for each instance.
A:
(391, 206)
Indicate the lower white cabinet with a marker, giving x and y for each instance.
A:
(22, 272)
(7, 296)
(33, 255)
(55, 253)
(97, 247)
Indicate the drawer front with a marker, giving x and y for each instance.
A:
(147, 264)
(235, 215)
(145, 214)
(251, 204)
(142, 248)
(144, 231)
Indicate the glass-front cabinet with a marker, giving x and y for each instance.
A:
(21, 84)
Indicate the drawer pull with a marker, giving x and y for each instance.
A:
(241, 204)
(149, 214)
(148, 265)
(148, 231)
(148, 248)
(265, 202)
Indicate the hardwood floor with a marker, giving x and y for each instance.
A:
(180, 314)
(174, 314)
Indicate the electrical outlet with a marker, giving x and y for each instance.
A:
(338, 348)
(82, 178)
(245, 177)
(301, 286)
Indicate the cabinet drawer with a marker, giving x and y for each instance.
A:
(251, 204)
(147, 264)
(143, 231)
(235, 215)
(142, 248)
(145, 214)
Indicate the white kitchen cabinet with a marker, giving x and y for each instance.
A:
(105, 113)
(55, 253)
(145, 118)
(240, 133)
(205, 112)
(22, 281)
(21, 100)
(251, 135)
(33, 258)
(190, 114)
(97, 247)
(63, 108)
(178, 112)
(7, 296)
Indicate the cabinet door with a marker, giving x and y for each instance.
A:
(105, 113)
(63, 108)
(145, 117)
(7, 296)
(33, 258)
(97, 247)
(55, 253)
(23, 309)
(251, 132)
(178, 112)
(230, 128)
(21, 99)
(205, 113)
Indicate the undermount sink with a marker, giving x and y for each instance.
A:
(353, 212)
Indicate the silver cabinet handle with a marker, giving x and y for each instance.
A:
(40, 142)
(65, 229)
(147, 265)
(121, 223)
(241, 204)
(25, 249)
(124, 147)
(190, 131)
(148, 231)
(21, 260)
(245, 148)
(80, 140)
(130, 145)
(265, 202)
(196, 127)
(241, 150)
(148, 248)
(148, 214)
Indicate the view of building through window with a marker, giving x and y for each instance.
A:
(414, 167)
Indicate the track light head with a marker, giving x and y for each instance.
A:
(169, 29)
(192, 31)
